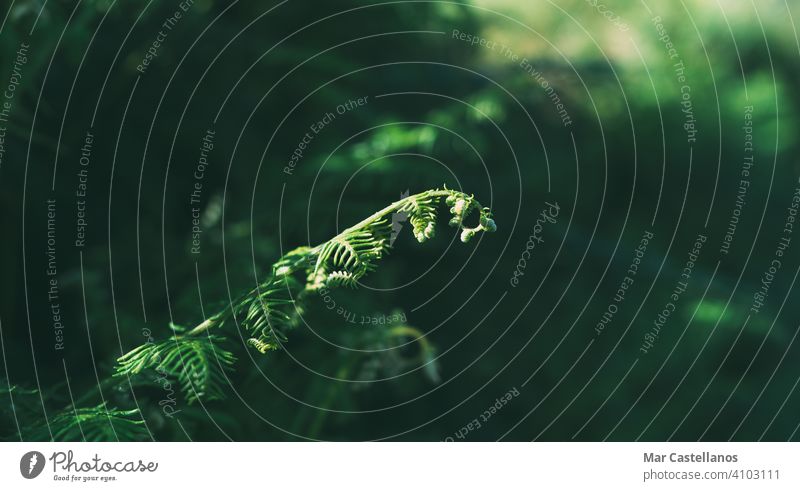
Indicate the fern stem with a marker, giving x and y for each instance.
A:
(205, 325)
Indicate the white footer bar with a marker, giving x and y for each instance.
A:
(390, 466)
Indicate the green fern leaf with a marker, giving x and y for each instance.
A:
(91, 424)
(197, 363)
(341, 279)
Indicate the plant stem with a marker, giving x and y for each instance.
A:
(204, 326)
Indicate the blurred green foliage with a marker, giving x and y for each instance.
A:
(439, 111)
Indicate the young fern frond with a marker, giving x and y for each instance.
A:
(272, 308)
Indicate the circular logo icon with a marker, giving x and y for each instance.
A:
(31, 464)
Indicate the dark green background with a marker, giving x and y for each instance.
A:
(301, 60)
